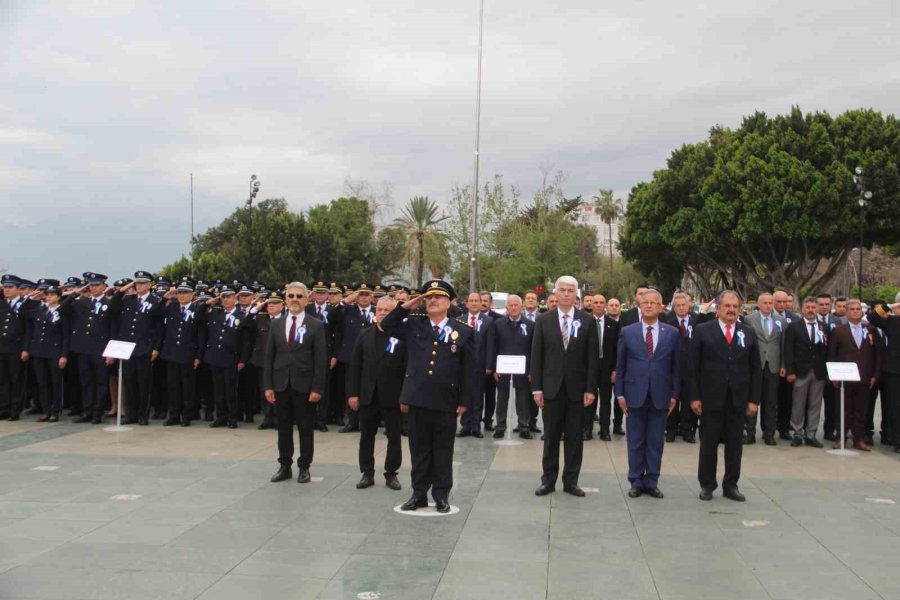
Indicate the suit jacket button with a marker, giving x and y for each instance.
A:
(429, 372)
(431, 363)
(435, 343)
(434, 352)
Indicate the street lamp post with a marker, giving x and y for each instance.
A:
(864, 197)
(473, 265)
(254, 189)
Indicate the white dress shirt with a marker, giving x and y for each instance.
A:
(654, 331)
(288, 321)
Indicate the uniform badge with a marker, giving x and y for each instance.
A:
(453, 347)
(454, 335)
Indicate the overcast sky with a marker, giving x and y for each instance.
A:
(107, 106)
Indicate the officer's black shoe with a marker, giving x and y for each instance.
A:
(544, 489)
(143, 421)
(442, 506)
(488, 427)
(813, 442)
(517, 429)
(216, 424)
(635, 492)
(282, 474)
(266, 425)
(706, 494)
(796, 442)
(525, 434)
(617, 430)
(97, 420)
(477, 434)
(366, 481)
(749, 439)
(604, 436)
(785, 435)
(733, 494)
(588, 436)
(347, 429)
(670, 437)
(171, 421)
(769, 439)
(185, 422)
(534, 429)
(498, 434)
(830, 437)
(463, 433)
(232, 424)
(304, 476)
(414, 503)
(574, 490)
(654, 493)
(689, 438)
(392, 482)
(208, 416)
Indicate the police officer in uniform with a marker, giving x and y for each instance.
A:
(353, 320)
(180, 352)
(48, 348)
(248, 385)
(258, 325)
(139, 316)
(326, 309)
(435, 389)
(12, 341)
(223, 354)
(91, 330)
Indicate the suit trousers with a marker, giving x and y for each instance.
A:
(870, 410)
(225, 383)
(138, 381)
(294, 408)
(431, 437)
(831, 412)
(535, 412)
(890, 396)
(337, 380)
(682, 420)
(94, 384)
(645, 431)
(603, 403)
(267, 410)
(369, 417)
(807, 403)
(340, 373)
(182, 384)
(490, 400)
(523, 403)
(12, 383)
(323, 406)
(248, 387)
(562, 415)
(71, 386)
(785, 402)
(856, 400)
(471, 419)
(768, 404)
(49, 379)
(721, 425)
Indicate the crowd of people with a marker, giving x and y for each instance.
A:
(429, 365)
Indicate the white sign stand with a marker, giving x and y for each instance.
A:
(121, 351)
(508, 364)
(842, 371)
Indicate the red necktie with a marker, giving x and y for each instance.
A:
(683, 330)
(649, 340)
(292, 335)
(472, 322)
(728, 332)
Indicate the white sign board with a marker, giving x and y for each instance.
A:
(119, 349)
(842, 371)
(510, 364)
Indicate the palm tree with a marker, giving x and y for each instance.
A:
(425, 240)
(609, 209)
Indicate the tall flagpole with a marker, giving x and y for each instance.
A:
(473, 267)
(191, 259)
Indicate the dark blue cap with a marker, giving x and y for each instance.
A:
(143, 277)
(95, 278)
(9, 280)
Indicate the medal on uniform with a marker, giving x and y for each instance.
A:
(448, 331)
(298, 337)
(392, 343)
(576, 325)
(740, 335)
(454, 335)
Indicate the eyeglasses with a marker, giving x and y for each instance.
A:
(293, 296)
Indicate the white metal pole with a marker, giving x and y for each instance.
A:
(843, 429)
(119, 402)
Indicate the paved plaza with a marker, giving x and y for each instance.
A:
(174, 513)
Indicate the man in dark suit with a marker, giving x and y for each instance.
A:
(682, 421)
(294, 376)
(805, 350)
(139, 318)
(374, 382)
(259, 322)
(490, 386)
(91, 322)
(887, 318)
(353, 320)
(633, 314)
(511, 335)
(725, 383)
(435, 390)
(565, 355)
(480, 324)
(783, 309)
(608, 342)
(830, 399)
(647, 388)
(181, 351)
(859, 343)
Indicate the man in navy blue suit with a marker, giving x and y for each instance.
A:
(647, 389)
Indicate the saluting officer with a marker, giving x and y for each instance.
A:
(259, 326)
(373, 389)
(48, 347)
(326, 309)
(91, 330)
(12, 340)
(139, 317)
(180, 352)
(223, 354)
(435, 389)
(352, 321)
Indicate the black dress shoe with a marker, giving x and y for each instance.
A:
(574, 490)
(414, 503)
(158, 414)
(248, 418)
(830, 437)
(544, 489)
(604, 436)
(232, 424)
(171, 421)
(618, 430)
(304, 476)
(706, 494)
(588, 436)
(813, 442)
(53, 419)
(769, 439)
(264, 425)
(82, 419)
(488, 427)
(282, 474)
(749, 440)
(323, 428)
(392, 482)
(654, 493)
(366, 481)
(733, 493)
(785, 435)
(208, 416)
(13, 418)
(442, 506)
(477, 434)
(635, 492)
(216, 424)
(525, 434)
(796, 442)
(534, 429)
(463, 433)
(517, 429)
(498, 435)
(97, 420)
(347, 429)
(185, 422)
(689, 438)
(143, 421)
(670, 437)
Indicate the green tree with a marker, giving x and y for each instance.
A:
(420, 225)
(767, 204)
(609, 209)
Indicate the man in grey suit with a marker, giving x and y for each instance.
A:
(769, 328)
(294, 377)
